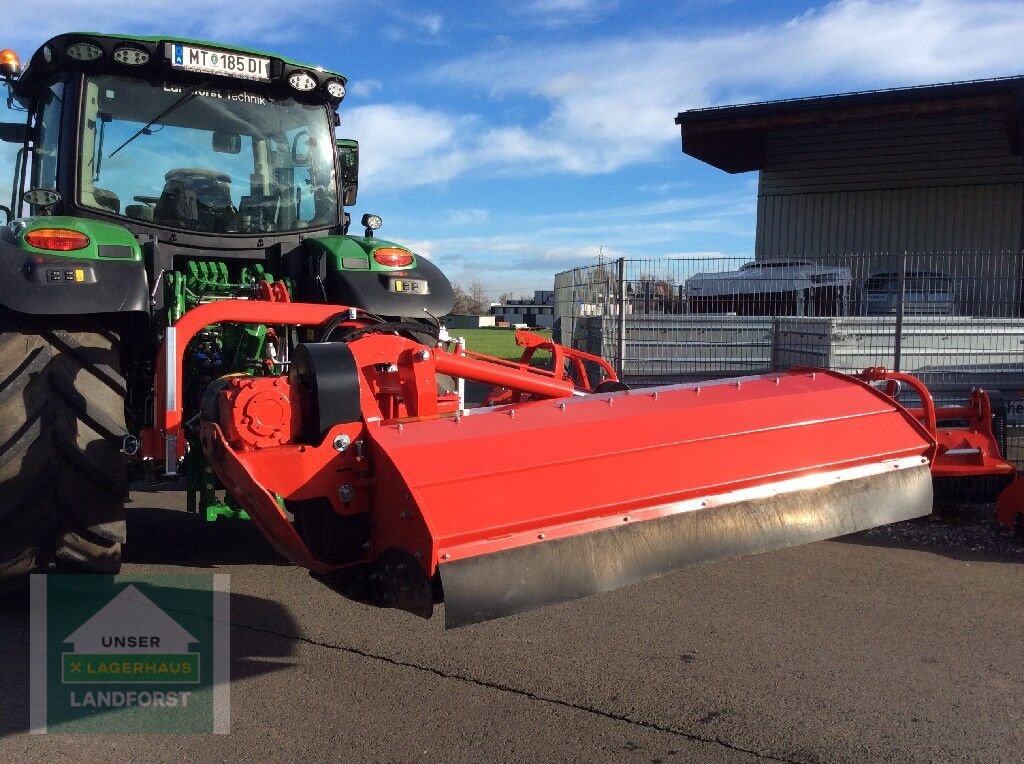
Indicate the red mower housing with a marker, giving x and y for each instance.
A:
(563, 484)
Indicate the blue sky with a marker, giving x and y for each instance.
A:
(508, 141)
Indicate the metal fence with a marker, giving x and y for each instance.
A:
(954, 319)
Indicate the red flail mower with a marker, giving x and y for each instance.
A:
(564, 483)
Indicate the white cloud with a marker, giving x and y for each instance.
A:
(548, 6)
(432, 23)
(505, 264)
(611, 102)
(604, 103)
(411, 26)
(640, 216)
(466, 217)
(404, 145)
(28, 25)
(523, 251)
(663, 188)
(364, 88)
(698, 255)
(560, 13)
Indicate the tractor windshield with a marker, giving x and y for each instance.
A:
(206, 159)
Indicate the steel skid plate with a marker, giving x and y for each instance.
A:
(747, 522)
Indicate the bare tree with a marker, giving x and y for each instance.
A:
(473, 302)
(506, 297)
(603, 280)
(461, 306)
(481, 302)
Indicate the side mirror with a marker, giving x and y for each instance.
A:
(13, 132)
(348, 169)
(226, 143)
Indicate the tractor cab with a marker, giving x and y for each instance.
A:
(215, 167)
(181, 141)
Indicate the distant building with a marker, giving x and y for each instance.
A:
(459, 321)
(538, 312)
(930, 170)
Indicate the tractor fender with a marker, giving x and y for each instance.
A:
(29, 283)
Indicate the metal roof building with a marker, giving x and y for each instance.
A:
(936, 168)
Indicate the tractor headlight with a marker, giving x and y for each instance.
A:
(336, 89)
(131, 56)
(373, 222)
(84, 51)
(302, 81)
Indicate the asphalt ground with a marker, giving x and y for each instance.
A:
(873, 648)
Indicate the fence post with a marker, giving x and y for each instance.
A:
(570, 339)
(897, 350)
(621, 365)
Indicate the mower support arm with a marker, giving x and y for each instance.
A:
(168, 441)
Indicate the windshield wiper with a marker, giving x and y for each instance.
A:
(181, 101)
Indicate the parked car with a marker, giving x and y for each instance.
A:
(926, 293)
(772, 287)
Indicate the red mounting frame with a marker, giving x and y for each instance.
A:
(166, 440)
(962, 451)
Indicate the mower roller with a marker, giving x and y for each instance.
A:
(360, 456)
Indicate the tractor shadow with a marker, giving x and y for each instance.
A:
(959, 529)
(254, 652)
(160, 532)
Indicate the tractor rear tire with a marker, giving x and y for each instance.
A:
(63, 477)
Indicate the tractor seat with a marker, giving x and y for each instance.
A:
(103, 199)
(194, 197)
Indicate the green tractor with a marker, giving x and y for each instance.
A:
(154, 175)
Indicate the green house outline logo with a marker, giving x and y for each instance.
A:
(108, 647)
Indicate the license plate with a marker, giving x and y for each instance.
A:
(193, 59)
(412, 286)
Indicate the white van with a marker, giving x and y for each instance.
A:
(926, 293)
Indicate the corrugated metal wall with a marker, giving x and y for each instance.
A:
(937, 184)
